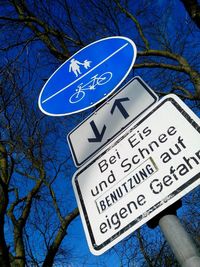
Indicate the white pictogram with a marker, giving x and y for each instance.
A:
(75, 66)
(91, 85)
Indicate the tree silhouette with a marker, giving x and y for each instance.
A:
(36, 37)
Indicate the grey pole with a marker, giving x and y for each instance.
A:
(180, 242)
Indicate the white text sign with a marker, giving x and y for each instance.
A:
(144, 170)
(113, 116)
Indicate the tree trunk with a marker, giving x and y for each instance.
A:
(19, 247)
(4, 251)
(52, 251)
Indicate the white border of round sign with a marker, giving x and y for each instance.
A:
(80, 110)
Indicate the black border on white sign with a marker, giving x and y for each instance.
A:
(148, 89)
(160, 203)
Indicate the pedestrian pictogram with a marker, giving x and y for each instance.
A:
(75, 66)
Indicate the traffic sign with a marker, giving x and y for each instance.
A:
(88, 77)
(109, 119)
(149, 166)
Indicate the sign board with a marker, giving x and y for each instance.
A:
(113, 116)
(88, 77)
(149, 166)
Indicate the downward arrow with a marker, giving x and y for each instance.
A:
(118, 104)
(98, 136)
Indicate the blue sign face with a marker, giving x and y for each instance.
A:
(88, 77)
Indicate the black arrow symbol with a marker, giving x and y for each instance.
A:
(118, 104)
(98, 136)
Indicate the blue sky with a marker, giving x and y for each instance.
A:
(36, 58)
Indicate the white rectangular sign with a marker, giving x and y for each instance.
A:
(109, 119)
(149, 166)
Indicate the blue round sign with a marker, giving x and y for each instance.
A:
(88, 77)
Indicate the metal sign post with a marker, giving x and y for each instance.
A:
(178, 239)
(180, 242)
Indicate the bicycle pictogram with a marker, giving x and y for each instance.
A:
(94, 82)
